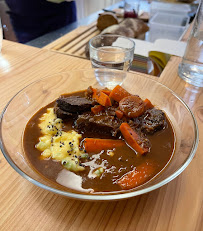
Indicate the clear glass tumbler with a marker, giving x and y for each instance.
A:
(191, 67)
(111, 52)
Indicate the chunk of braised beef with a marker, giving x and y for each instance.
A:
(101, 124)
(151, 121)
(110, 111)
(144, 141)
(74, 104)
(62, 114)
(134, 123)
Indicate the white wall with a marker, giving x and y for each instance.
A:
(87, 7)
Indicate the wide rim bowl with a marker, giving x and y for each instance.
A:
(103, 197)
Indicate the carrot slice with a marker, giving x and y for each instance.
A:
(96, 109)
(138, 176)
(148, 104)
(118, 93)
(132, 106)
(119, 114)
(132, 138)
(104, 100)
(101, 98)
(95, 94)
(94, 145)
(107, 92)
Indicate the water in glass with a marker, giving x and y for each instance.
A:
(191, 67)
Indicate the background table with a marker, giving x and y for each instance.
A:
(23, 206)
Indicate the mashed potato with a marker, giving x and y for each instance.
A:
(57, 144)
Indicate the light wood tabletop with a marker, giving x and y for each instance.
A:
(176, 206)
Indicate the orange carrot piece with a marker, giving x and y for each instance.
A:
(119, 114)
(107, 92)
(95, 94)
(96, 109)
(118, 93)
(132, 138)
(148, 104)
(104, 100)
(94, 145)
(132, 106)
(101, 98)
(138, 176)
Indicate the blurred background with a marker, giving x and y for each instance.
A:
(84, 9)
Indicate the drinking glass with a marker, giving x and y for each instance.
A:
(191, 67)
(111, 52)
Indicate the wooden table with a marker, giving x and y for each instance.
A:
(176, 206)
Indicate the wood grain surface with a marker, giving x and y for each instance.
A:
(176, 206)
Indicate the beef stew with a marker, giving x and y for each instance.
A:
(116, 141)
